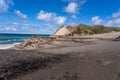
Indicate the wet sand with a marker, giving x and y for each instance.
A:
(14, 63)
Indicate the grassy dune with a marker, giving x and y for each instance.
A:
(86, 29)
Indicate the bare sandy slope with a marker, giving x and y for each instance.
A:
(100, 61)
(61, 31)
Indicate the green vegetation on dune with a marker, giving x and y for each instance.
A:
(100, 29)
(89, 30)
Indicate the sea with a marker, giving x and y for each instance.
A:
(6, 39)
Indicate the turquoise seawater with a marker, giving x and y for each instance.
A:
(16, 38)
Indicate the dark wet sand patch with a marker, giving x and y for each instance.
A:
(24, 62)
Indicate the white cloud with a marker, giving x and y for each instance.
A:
(59, 20)
(74, 16)
(117, 21)
(26, 24)
(49, 26)
(109, 23)
(80, 2)
(72, 8)
(96, 20)
(51, 17)
(33, 27)
(116, 14)
(15, 23)
(72, 24)
(45, 16)
(21, 15)
(4, 5)
(19, 27)
(10, 27)
(113, 22)
(23, 28)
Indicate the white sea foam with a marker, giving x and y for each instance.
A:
(7, 46)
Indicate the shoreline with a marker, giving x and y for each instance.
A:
(105, 36)
(7, 46)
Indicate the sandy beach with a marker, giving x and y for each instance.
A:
(99, 60)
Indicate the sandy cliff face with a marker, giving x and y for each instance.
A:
(62, 31)
(72, 31)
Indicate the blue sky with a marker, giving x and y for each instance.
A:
(45, 16)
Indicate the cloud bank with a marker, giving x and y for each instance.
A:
(5, 5)
(114, 21)
(51, 17)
